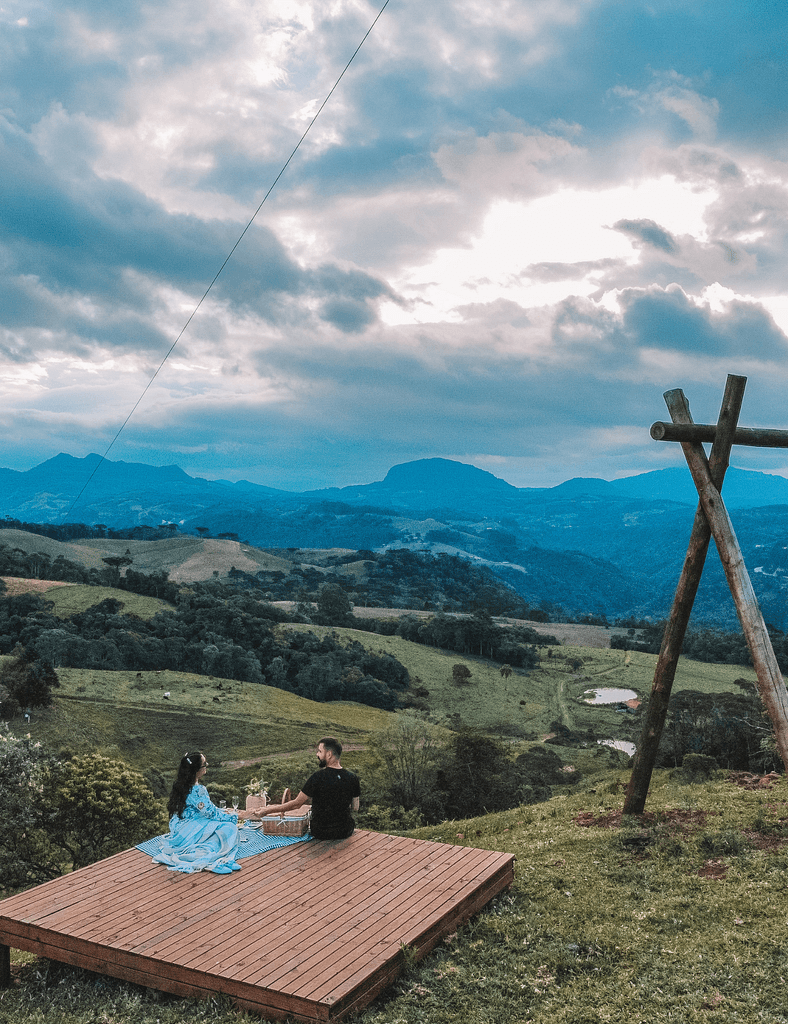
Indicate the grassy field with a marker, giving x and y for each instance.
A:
(126, 715)
(528, 702)
(186, 559)
(678, 918)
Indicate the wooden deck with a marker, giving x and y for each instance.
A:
(311, 932)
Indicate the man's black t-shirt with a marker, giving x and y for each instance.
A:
(332, 790)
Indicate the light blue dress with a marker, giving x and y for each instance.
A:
(204, 839)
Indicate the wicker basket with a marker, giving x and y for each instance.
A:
(294, 823)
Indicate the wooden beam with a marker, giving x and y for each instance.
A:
(770, 681)
(673, 638)
(699, 433)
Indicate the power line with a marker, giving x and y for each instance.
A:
(224, 264)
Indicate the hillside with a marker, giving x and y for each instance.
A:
(148, 719)
(674, 917)
(524, 705)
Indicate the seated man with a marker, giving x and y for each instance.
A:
(333, 792)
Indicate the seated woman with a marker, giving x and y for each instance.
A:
(202, 837)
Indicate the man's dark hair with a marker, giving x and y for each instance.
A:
(333, 745)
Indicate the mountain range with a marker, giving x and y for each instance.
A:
(588, 545)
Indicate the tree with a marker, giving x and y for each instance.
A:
(114, 564)
(26, 855)
(478, 776)
(460, 674)
(405, 760)
(333, 606)
(730, 727)
(27, 680)
(98, 807)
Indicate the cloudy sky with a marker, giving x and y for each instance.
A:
(511, 229)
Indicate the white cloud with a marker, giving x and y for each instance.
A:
(552, 232)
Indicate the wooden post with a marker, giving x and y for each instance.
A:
(770, 681)
(673, 638)
(5, 966)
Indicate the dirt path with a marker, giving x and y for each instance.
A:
(251, 762)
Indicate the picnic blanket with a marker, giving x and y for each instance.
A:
(252, 842)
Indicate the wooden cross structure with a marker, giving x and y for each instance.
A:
(711, 519)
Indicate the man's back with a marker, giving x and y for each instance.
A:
(332, 791)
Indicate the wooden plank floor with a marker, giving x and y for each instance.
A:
(311, 931)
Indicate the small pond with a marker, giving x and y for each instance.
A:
(607, 695)
(625, 745)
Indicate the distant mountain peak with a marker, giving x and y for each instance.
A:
(442, 474)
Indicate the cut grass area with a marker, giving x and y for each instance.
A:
(126, 714)
(676, 918)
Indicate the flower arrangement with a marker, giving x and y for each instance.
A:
(257, 787)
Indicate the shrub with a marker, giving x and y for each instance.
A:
(99, 807)
(697, 768)
(725, 843)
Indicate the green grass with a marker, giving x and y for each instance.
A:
(529, 701)
(125, 714)
(76, 598)
(613, 924)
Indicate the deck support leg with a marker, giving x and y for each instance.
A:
(5, 966)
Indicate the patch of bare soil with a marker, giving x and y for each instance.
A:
(747, 780)
(390, 613)
(766, 842)
(713, 869)
(15, 585)
(679, 822)
(251, 762)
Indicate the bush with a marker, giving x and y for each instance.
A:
(725, 843)
(99, 807)
(697, 768)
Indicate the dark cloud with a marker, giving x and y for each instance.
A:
(670, 320)
(60, 240)
(348, 315)
(649, 232)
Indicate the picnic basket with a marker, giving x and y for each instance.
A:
(293, 823)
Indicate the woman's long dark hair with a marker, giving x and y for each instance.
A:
(187, 776)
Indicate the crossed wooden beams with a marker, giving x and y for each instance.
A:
(711, 518)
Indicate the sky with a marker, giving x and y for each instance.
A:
(511, 228)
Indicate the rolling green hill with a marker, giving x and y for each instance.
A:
(127, 714)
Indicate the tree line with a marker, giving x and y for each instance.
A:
(475, 634)
(710, 645)
(231, 638)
